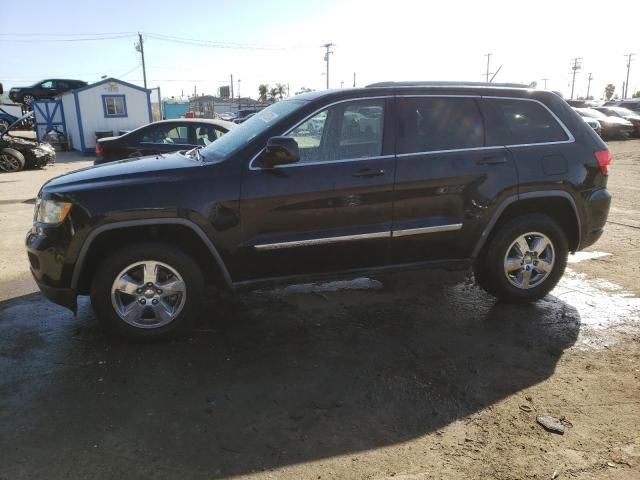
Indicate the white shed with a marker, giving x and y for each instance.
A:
(110, 105)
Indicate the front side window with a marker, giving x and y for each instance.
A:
(166, 134)
(523, 122)
(47, 84)
(114, 105)
(428, 124)
(345, 131)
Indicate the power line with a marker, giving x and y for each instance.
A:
(47, 40)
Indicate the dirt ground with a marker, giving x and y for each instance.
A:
(415, 376)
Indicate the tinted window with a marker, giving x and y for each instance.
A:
(519, 122)
(205, 134)
(168, 134)
(345, 131)
(432, 124)
(47, 84)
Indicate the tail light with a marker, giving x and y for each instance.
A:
(99, 149)
(604, 160)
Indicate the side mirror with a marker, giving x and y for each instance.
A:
(280, 151)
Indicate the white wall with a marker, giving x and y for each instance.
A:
(92, 111)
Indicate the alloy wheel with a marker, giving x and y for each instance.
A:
(148, 294)
(9, 163)
(529, 260)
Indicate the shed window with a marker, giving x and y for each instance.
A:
(114, 105)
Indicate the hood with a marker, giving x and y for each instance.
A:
(145, 170)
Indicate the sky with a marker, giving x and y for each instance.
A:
(281, 41)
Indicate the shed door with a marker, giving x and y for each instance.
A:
(48, 115)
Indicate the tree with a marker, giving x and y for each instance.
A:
(636, 95)
(609, 90)
(263, 90)
(533, 84)
(281, 89)
(273, 94)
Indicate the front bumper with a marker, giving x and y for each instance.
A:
(66, 297)
(46, 261)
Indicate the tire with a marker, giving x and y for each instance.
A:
(11, 160)
(28, 100)
(147, 308)
(502, 271)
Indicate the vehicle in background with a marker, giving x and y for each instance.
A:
(593, 123)
(227, 116)
(49, 88)
(17, 153)
(625, 113)
(161, 137)
(240, 120)
(612, 127)
(584, 103)
(630, 103)
(506, 181)
(6, 119)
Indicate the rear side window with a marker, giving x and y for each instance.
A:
(428, 124)
(520, 122)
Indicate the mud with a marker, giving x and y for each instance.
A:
(414, 376)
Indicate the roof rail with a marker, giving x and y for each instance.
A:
(447, 84)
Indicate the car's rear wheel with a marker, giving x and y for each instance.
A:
(147, 290)
(28, 100)
(524, 260)
(11, 160)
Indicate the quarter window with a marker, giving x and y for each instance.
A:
(114, 106)
(428, 124)
(521, 122)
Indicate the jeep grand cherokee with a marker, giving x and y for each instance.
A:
(386, 178)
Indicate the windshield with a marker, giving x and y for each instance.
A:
(250, 129)
(589, 112)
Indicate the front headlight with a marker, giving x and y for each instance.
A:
(51, 211)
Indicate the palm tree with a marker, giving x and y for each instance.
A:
(273, 94)
(263, 90)
(280, 88)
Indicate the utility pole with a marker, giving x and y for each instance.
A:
(140, 48)
(545, 82)
(575, 67)
(589, 85)
(326, 58)
(626, 88)
(354, 79)
(239, 87)
(488, 55)
(231, 92)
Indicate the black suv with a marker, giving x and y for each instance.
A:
(385, 178)
(44, 89)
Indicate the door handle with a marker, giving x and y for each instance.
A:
(368, 172)
(492, 160)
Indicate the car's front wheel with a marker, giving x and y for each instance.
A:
(524, 260)
(11, 160)
(147, 290)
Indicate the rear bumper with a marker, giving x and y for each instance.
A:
(597, 207)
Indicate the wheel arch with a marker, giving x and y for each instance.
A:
(557, 204)
(175, 231)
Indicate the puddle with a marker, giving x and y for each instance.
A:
(582, 256)
(605, 308)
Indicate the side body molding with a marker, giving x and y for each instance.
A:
(525, 196)
(143, 223)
